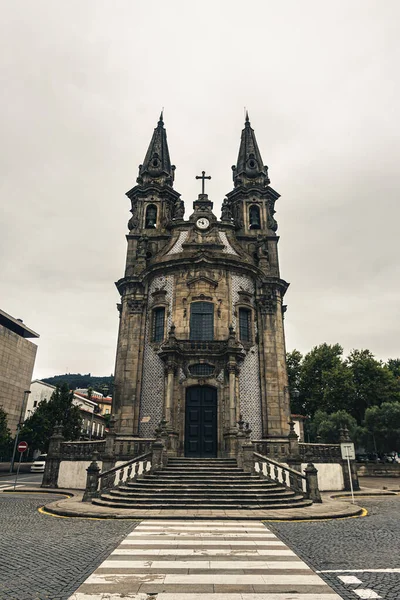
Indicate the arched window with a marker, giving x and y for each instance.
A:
(245, 325)
(201, 369)
(202, 321)
(158, 324)
(254, 217)
(151, 217)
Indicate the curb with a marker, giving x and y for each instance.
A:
(60, 512)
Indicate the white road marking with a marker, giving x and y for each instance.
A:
(203, 551)
(194, 596)
(366, 594)
(396, 570)
(349, 579)
(155, 558)
(203, 564)
(203, 579)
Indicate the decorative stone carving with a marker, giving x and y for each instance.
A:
(133, 222)
(135, 305)
(226, 213)
(262, 247)
(267, 302)
(271, 222)
(141, 250)
(179, 210)
(237, 215)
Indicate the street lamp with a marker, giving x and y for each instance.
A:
(20, 423)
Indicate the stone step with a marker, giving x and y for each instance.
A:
(199, 477)
(238, 485)
(203, 470)
(222, 490)
(204, 463)
(201, 496)
(209, 484)
(295, 502)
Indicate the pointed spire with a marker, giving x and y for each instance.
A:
(157, 165)
(249, 169)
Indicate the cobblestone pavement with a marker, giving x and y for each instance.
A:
(357, 546)
(47, 558)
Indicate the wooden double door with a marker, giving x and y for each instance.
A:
(201, 422)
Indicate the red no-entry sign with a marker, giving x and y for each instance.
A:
(22, 447)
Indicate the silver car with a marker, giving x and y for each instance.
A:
(39, 464)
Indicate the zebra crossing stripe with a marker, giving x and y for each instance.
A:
(200, 560)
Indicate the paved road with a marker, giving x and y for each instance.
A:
(353, 548)
(47, 558)
(24, 480)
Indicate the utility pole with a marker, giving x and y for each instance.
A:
(19, 426)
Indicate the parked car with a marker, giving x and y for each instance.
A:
(39, 464)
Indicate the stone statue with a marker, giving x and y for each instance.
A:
(142, 247)
(226, 214)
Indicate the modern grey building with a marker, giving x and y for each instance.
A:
(17, 359)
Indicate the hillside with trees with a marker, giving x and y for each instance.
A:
(76, 380)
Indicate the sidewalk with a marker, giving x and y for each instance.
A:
(330, 508)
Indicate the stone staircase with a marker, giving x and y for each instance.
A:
(201, 483)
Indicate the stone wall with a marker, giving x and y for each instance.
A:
(17, 359)
(72, 474)
(330, 476)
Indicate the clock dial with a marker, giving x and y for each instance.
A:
(202, 223)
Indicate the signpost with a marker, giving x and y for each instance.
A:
(22, 447)
(348, 453)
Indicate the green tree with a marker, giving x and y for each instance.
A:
(59, 409)
(325, 382)
(393, 364)
(373, 382)
(326, 427)
(294, 363)
(382, 427)
(5, 436)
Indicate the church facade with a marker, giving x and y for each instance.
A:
(201, 338)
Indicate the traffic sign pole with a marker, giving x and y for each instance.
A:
(350, 477)
(22, 447)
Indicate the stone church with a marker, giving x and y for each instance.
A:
(201, 337)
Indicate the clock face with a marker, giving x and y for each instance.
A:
(202, 223)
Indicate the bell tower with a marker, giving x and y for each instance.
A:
(251, 204)
(154, 203)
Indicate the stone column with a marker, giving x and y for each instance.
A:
(170, 371)
(294, 459)
(129, 360)
(109, 457)
(92, 480)
(311, 474)
(275, 396)
(52, 467)
(232, 370)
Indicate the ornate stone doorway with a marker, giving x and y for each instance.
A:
(201, 422)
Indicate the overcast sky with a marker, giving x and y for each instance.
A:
(82, 85)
